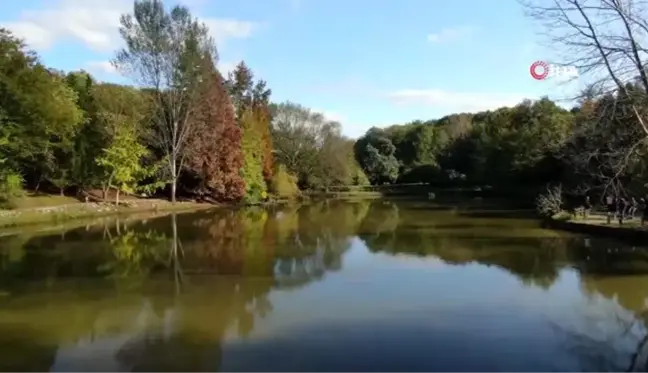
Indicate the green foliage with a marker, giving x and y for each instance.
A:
(506, 147)
(11, 188)
(39, 114)
(284, 185)
(122, 161)
(256, 188)
(376, 155)
(312, 147)
(154, 37)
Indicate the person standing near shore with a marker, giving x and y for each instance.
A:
(622, 204)
(611, 208)
(587, 207)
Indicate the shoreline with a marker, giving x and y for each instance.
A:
(20, 218)
(598, 227)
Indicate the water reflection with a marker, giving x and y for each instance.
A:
(328, 286)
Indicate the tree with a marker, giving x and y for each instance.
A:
(605, 42)
(164, 52)
(375, 154)
(214, 148)
(118, 109)
(297, 136)
(253, 157)
(41, 114)
(122, 161)
(261, 102)
(333, 166)
(251, 102)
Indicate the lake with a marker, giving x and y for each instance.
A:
(330, 286)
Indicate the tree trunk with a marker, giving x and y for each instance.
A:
(62, 191)
(174, 179)
(117, 197)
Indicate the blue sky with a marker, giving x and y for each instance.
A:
(362, 62)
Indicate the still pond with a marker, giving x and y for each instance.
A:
(353, 286)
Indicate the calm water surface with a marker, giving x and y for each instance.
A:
(333, 286)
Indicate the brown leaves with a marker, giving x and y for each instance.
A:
(214, 148)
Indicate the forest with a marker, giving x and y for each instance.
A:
(190, 132)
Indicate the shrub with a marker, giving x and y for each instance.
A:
(550, 202)
(284, 185)
(11, 187)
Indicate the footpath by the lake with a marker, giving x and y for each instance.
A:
(596, 224)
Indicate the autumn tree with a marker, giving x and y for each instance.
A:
(214, 147)
(251, 102)
(164, 51)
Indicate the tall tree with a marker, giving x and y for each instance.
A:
(91, 137)
(253, 157)
(215, 144)
(251, 102)
(297, 133)
(606, 42)
(261, 101)
(164, 52)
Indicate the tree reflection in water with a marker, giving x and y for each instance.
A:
(155, 304)
(145, 296)
(613, 276)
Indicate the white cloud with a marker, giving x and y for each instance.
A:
(104, 67)
(453, 101)
(224, 29)
(95, 23)
(450, 34)
(331, 115)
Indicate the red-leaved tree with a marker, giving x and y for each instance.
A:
(214, 147)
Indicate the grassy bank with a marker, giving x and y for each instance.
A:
(33, 210)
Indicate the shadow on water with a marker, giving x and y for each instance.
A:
(196, 291)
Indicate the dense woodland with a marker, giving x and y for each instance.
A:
(191, 132)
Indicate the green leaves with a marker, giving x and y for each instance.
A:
(123, 160)
(376, 155)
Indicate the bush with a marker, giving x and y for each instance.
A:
(11, 187)
(358, 177)
(550, 202)
(284, 185)
(255, 195)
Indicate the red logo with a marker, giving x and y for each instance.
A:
(539, 70)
